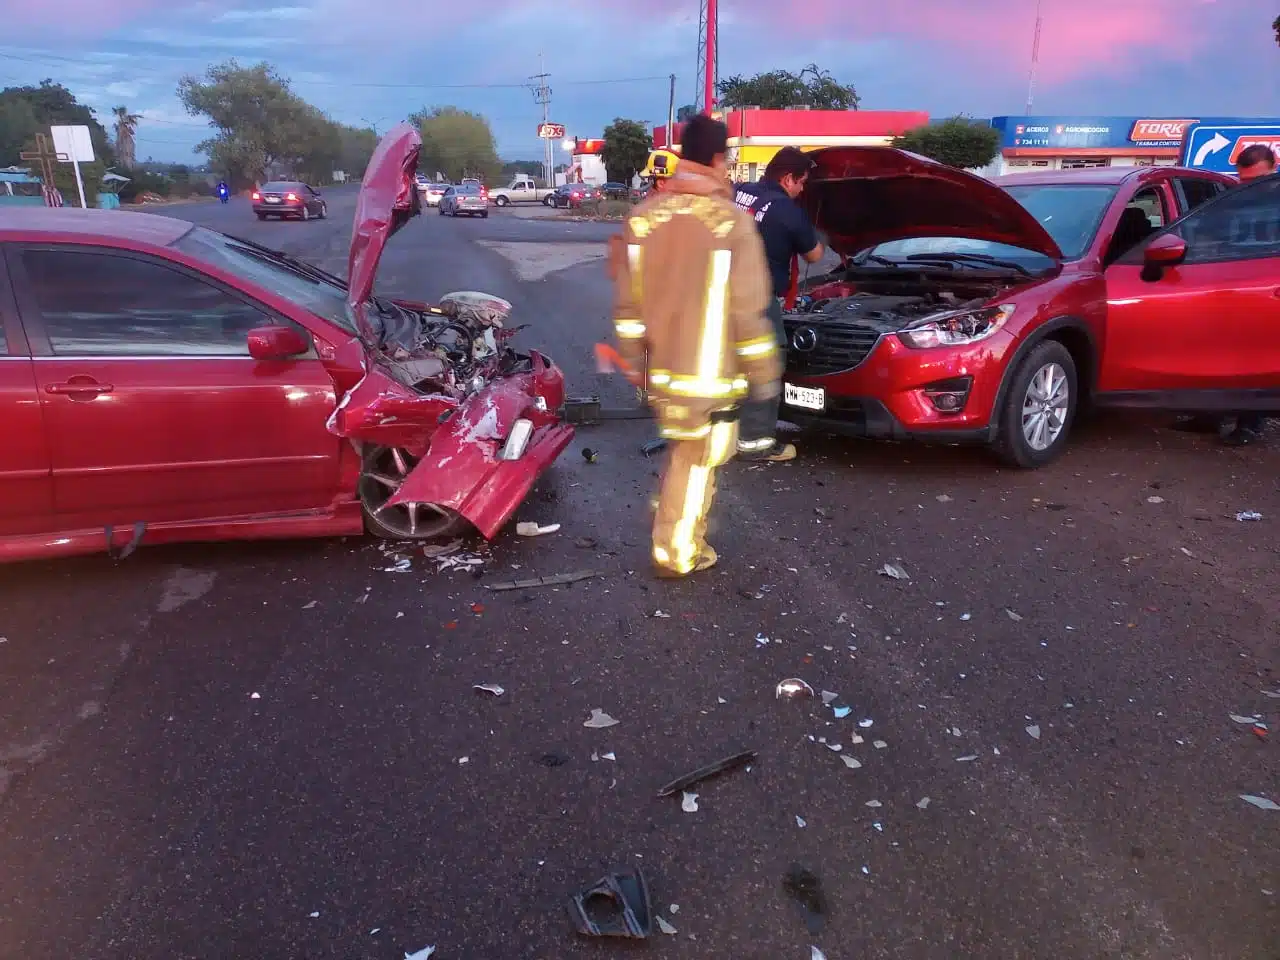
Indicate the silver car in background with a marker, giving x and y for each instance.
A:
(465, 198)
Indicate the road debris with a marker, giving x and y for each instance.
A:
(707, 772)
(689, 803)
(660, 615)
(491, 688)
(527, 528)
(1273, 694)
(434, 551)
(310, 606)
(314, 914)
(673, 909)
(895, 571)
(966, 616)
(829, 698)
(616, 906)
(255, 696)
(1249, 721)
(967, 758)
(1246, 515)
(402, 565)
(589, 455)
(841, 712)
(792, 688)
(804, 887)
(942, 498)
(557, 580)
(851, 762)
(1033, 732)
(599, 720)
(1262, 803)
(866, 724)
(923, 803)
(879, 744)
(800, 822)
(1013, 616)
(423, 954)
(665, 926)
(1155, 499)
(586, 543)
(816, 954)
(873, 804)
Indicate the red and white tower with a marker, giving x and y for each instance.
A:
(708, 56)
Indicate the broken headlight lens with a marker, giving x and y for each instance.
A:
(956, 328)
(516, 443)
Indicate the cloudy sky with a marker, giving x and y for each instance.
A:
(373, 61)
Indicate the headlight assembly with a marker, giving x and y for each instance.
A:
(957, 328)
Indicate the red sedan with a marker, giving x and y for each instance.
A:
(160, 382)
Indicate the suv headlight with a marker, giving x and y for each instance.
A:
(956, 328)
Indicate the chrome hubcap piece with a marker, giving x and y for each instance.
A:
(381, 480)
(1044, 408)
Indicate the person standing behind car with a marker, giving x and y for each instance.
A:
(1254, 161)
(787, 233)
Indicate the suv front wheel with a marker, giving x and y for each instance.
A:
(1039, 407)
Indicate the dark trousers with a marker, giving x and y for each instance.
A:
(759, 420)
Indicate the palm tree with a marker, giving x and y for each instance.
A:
(126, 126)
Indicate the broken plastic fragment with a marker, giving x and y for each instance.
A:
(255, 696)
(402, 565)
(923, 803)
(1013, 616)
(967, 758)
(689, 803)
(492, 688)
(555, 580)
(1033, 732)
(610, 756)
(874, 804)
(895, 571)
(308, 606)
(617, 906)
(527, 528)
(1245, 515)
(966, 616)
(834, 747)
(673, 909)
(659, 615)
(800, 822)
(1155, 499)
(315, 914)
(1262, 803)
(851, 762)
(707, 772)
(942, 498)
(664, 926)
(599, 720)
(423, 954)
(864, 724)
(1246, 720)
(841, 712)
(816, 954)
(792, 688)
(436, 551)
(828, 697)
(879, 744)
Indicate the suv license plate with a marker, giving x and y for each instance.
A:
(808, 398)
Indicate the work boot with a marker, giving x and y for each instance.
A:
(778, 453)
(706, 560)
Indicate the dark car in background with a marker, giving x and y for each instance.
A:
(616, 191)
(570, 195)
(288, 198)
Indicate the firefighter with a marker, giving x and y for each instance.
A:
(660, 169)
(692, 295)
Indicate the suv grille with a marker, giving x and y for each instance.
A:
(839, 345)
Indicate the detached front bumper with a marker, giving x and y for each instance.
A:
(943, 395)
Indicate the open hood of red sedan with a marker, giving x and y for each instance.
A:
(388, 198)
(862, 196)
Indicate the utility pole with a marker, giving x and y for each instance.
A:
(671, 115)
(542, 96)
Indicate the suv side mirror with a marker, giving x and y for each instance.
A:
(1165, 251)
(276, 342)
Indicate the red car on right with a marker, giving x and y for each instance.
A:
(972, 310)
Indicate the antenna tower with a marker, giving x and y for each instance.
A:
(708, 71)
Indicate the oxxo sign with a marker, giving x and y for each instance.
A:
(551, 131)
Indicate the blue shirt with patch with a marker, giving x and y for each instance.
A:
(784, 228)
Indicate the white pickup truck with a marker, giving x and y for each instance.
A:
(520, 190)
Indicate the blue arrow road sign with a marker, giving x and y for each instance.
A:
(1215, 146)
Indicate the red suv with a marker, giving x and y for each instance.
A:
(968, 310)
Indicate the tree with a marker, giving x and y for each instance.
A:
(686, 113)
(528, 168)
(626, 149)
(779, 89)
(126, 126)
(457, 143)
(958, 142)
(26, 111)
(1275, 25)
(258, 120)
(357, 147)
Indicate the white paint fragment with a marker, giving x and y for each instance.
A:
(423, 954)
(664, 925)
(1033, 731)
(800, 822)
(923, 803)
(1262, 803)
(689, 802)
(599, 720)
(851, 762)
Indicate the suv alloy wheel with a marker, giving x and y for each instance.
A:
(1039, 407)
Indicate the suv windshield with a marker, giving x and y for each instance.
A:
(323, 298)
(1070, 213)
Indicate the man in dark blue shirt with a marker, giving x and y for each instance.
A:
(787, 233)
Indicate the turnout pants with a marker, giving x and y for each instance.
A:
(688, 489)
(760, 417)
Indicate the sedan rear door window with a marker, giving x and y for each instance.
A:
(108, 305)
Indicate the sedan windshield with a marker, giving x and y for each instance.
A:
(324, 298)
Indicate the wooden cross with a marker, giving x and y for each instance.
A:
(45, 156)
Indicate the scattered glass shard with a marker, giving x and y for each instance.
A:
(955, 731)
(664, 926)
(673, 909)
(851, 762)
(1262, 803)
(528, 528)
(966, 616)
(841, 712)
(255, 696)
(879, 744)
(1245, 515)
(864, 724)
(308, 606)
(610, 756)
(491, 688)
(689, 803)
(659, 615)
(599, 720)
(828, 697)
(967, 758)
(816, 954)
(792, 688)
(942, 498)
(1246, 720)
(423, 954)
(874, 804)
(923, 803)
(895, 571)
(800, 822)
(1033, 732)
(1013, 616)
(1155, 499)
(834, 747)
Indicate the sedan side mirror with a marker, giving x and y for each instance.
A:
(276, 342)
(1165, 251)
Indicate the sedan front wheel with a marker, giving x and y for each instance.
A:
(381, 476)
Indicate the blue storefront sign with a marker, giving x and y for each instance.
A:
(1215, 146)
(1102, 133)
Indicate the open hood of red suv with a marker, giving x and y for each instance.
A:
(388, 198)
(862, 196)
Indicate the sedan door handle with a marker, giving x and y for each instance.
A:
(71, 388)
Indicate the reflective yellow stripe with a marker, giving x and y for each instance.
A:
(750, 446)
(630, 329)
(716, 388)
(675, 433)
(695, 500)
(721, 443)
(759, 347)
(712, 341)
(634, 260)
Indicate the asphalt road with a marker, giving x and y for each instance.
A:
(276, 751)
